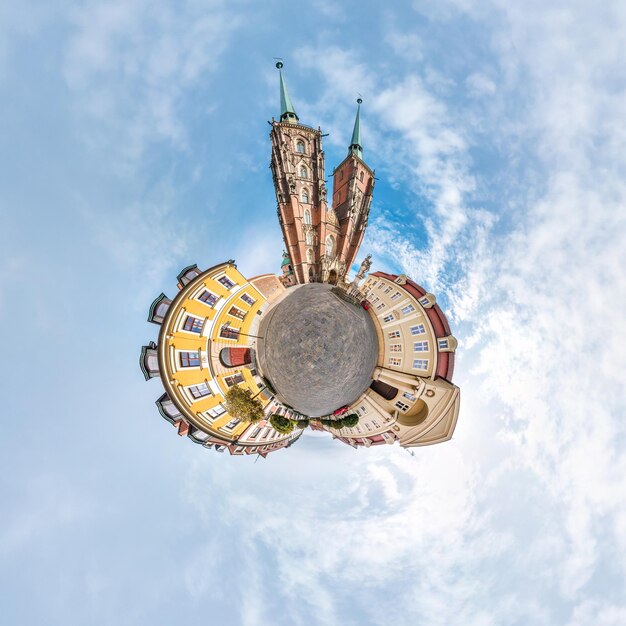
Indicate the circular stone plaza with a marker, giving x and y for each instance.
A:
(317, 350)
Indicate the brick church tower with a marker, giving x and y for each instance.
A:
(321, 241)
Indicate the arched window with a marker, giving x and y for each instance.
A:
(361, 176)
(303, 172)
(304, 196)
(309, 256)
(308, 238)
(300, 146)
(330, 246)
(307, 216)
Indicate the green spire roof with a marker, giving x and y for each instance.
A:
(286, 260)
(287, 112)
(355, 144)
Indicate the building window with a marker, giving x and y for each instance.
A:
(231, 424)
(228, 332)
(189, 359)
(216, 411)
(208, 298)
(409, 396)
(388, 318)
(382, 305)
(235, 379)
(420, 364)
(381, 285)
(364, 409)
(396, 295)
(388, 289)
(361, 176)
(300, 147)
(193, 324)
(303, 172)
(395, 347)
(424, 301)
(255, 432)
(308, 238)
(374, 300)
(420, 346)
(235, 312)
(304, 196)
(307, 216)
(395, 361)
(199, 391)
(309, 256)
(409, 308)
(402, 406)
(443, 344)
(394, 334)
(418, 330)
(229, 284)
(247, 299)
(340, 174)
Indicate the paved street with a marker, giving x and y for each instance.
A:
(318, 351)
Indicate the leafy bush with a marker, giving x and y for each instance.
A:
(240, 404)
(350, 421)
(281, 424)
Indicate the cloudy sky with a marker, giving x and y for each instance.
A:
(134, 141)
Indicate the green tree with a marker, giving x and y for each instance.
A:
(336, 424)
(281, 424)
(302, 423)
(350, 421)
(240, 404)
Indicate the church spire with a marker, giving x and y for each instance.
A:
(287, 112)
(355, 145)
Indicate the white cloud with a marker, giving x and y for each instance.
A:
(518, 533)
(129, 65)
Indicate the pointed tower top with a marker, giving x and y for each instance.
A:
(355, 145)
(287, 112)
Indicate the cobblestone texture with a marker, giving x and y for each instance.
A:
(318, 351)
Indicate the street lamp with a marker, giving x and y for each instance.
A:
(227, 325)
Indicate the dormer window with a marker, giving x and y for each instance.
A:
(300, 146)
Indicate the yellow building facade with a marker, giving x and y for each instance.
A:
(206, 345)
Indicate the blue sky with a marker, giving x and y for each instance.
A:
(135, 141)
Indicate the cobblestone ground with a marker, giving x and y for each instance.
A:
(318, 351)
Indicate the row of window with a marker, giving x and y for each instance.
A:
(418, 346)
(211, 299)
(406, 310)
(418, 329)
(418, 364)
(194, 324)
